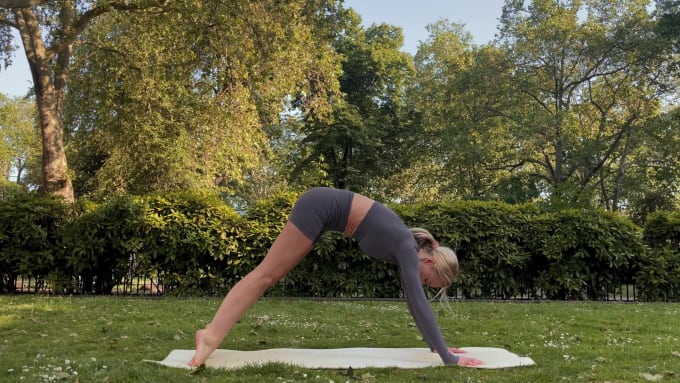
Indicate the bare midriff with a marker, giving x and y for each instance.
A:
(357, 212)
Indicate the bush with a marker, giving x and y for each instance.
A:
(191, 240)
(579, 254)
(658, 277)
(30, 236)
(101, 245)
(337, 267)
(662, 229)
(196, 243)
(488, 240)
(262, 224)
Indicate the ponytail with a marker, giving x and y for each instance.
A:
(446, 262)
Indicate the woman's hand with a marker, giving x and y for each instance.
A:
(457, 350)
(463, 361)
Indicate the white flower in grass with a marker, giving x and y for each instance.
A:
(652, 378)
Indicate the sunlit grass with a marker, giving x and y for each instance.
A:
(106, 339)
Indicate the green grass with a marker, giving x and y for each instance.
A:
(106, 339)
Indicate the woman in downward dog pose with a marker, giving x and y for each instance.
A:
(379, 232)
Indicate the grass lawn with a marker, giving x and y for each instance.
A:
(105, 339)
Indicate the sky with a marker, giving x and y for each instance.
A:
(480, 18)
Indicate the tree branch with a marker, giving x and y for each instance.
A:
(18, 3)
(85, 19)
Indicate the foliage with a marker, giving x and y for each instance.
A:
(31, 229)
(589, 84)
(571, 104)
(262, 224)
(457, 139)
(100, 246)
(194, 243)
(9, 189)
(48, 32)
(488, 239)
(662, 229)
(338, 268)
(659, 275)
(368, 125)
(557, 108)
(189, 240)
(195, 113)
(668, 27)
(578, 254)
(19, 142)
(653, 174)
(184, 238)
(658, 278)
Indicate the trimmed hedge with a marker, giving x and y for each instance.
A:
(658, 278)
(31, 229)
(196, 244)
(580, 254)
(488, 238)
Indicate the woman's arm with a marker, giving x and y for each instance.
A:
(421, 311)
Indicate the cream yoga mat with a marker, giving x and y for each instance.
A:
(341, 358)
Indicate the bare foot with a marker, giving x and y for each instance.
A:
(205, 345)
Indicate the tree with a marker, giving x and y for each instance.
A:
(361, 144)
(48, 32)
(174, 94)
(459, 140)
(654, 173)
(668, 26)
(19, 141)
(584, 81)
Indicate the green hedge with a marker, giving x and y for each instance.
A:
(581, 254)
(100, 244)
(189, 240)
(31, 229)
(658, 277)
(488, 238)
(195, 243)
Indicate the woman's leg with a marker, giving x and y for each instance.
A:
(289, 248)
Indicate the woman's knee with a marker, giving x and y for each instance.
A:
(265, 278)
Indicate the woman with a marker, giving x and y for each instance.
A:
(379, 232)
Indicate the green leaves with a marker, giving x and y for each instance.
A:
(194, 243)
(181, 99)
(31, 228)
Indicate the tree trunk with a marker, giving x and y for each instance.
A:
(55, 178)
(49, 89)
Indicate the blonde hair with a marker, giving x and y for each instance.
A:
(445, 259)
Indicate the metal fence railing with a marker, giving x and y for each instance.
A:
(131, 285)
(136, 285)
